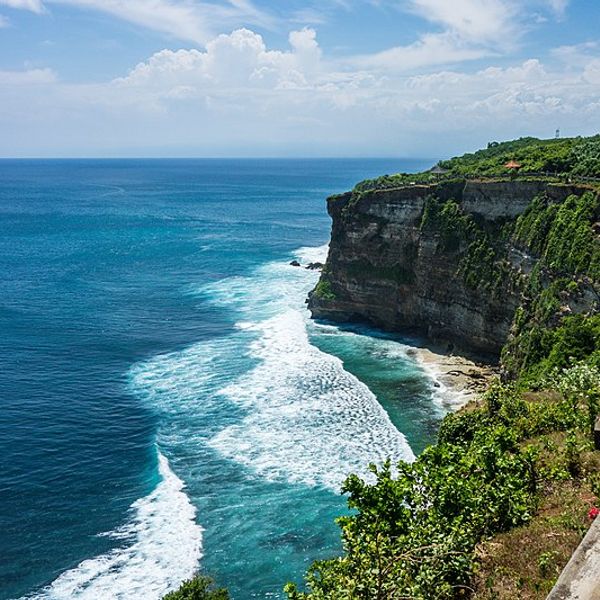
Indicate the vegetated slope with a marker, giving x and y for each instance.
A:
(495, 508)
(564, 157)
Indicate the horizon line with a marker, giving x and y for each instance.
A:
(17, 158)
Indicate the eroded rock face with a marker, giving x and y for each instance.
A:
(384, 268)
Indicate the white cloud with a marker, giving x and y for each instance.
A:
(310, 16)
(238, 75)
(591, 73)
(193, 21)
(239, 60)
(471, 29)
(181, 20)
(431, 50)
(477, 21)
(238, 96)
(558, 6)
(28, 77)
(35, 6)
(577, 54)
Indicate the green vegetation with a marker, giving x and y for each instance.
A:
(562, 239)
(416, 533)
(482, 248)
(562, 235)
(563, 158)
(544, 328)
(495, 508)
(535, 156)
(198, 588)
(324, 291)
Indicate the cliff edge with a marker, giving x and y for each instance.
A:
(442, 259)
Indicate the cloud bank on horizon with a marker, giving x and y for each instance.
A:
(338, 77)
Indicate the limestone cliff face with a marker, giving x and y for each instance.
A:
(385, 268)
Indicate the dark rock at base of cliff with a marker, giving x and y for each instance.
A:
(295, 263)
(314, 266)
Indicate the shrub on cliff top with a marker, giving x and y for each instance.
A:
(414, 533)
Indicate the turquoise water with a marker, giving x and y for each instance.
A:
(166, 402)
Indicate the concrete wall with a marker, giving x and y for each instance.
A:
(580, 579)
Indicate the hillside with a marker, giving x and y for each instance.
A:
(563, 159)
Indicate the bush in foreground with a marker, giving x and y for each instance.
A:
(198, 588)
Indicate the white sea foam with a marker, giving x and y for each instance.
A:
(162, 547)
(308, 421)
(302, 418)
(309, 254)
(447, 398)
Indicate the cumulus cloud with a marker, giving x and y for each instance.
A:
(300, 83)
(239, 60)
(238, 96)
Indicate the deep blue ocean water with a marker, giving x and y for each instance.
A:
(165, 401)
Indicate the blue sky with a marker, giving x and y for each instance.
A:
(263, 78)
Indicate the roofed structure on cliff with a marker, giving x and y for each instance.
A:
(513, 165)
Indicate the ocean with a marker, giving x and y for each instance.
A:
(166, 402)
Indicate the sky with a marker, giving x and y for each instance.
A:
(291, 78)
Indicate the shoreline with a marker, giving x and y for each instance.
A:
(461, 379)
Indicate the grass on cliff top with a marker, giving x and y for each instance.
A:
(564, 158)
(525, 562)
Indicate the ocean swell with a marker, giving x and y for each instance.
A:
(161, 547)
(288, 411)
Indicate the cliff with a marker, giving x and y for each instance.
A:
(503, 265)
(442, 259)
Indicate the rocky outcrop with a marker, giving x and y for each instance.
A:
(385, 268)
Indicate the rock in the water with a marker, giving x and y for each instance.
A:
(295, 263)
(315, 266)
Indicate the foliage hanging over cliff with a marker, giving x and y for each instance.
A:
(481, 252)
(549, 329)
(562, 235)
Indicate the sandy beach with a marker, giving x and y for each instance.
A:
(464, 379)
